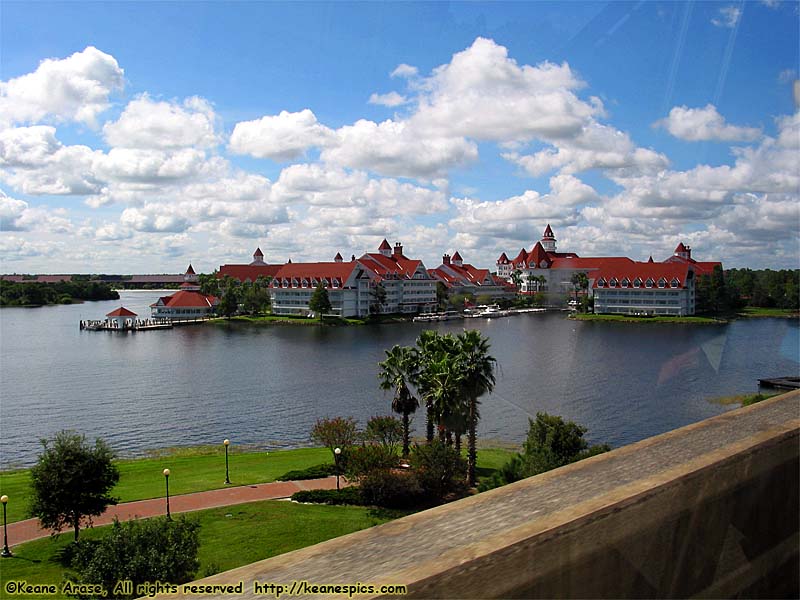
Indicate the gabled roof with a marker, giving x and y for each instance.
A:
(258, 252)
(609, 268)
(121, 312)
(317, 270)
(521, 257)
(457, 257)
(190, 270)
(548, 232)
(680, 248)
(245, 272)
(503, 260)
(384, 245)
(390, 265)
(537, 255)
(187, 299)
(338, 256)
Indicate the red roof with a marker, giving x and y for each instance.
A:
(190, 270)
(121, 312)
(548, 233)
(320, 271)
(186, 299)
(521, 257)
(245, 272)
(503, 260)
(258, 252)
(384, 245)
(457, 256)
(538, 255)
(680, 248)
(338, 256)
(614, 268)
(390, 265)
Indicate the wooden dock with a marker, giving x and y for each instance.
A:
(781, 383)
(148, 325)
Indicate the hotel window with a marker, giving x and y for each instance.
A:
(674, 283)
(613, 282)
(648, 283)
(601, 282)
(662, 283)
(637, 283)
(626, 282)
(335, 283)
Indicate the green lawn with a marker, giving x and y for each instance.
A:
(754, 311)
(203, 468)
(192, 470)
(229, 537)
(660, 319)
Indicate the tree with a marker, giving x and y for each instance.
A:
(338, 432)
(397, 372)
(430, 379)
(255, 297)
(71, 481)
(441, 295)
(579, 282)
(151, 550)
(320, 303)
(478, 367)
(229, 289)
(384, 431)
(516, 279)
(209, 284)
(377, 299)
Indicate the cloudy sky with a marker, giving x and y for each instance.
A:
(136, 137)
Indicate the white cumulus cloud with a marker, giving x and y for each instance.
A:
(701, 124)
(281, 137)
(76, 88)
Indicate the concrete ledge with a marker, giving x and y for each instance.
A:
(708, 510)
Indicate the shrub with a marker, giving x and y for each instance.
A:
(440, 470)
(155, 549)
(315, 472)
(338, 432)
(391, 489)
(348, 495)
(364, 460)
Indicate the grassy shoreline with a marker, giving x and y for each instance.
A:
(202, 468)
(655, 319)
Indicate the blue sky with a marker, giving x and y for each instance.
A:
(139, 136)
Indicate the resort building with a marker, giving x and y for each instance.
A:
(186, 303)
(352, 286)
(618, 284)
(464, 278)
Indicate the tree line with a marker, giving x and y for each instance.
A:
(733, 289)
(63, 292)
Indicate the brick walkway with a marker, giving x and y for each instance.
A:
(25, 531)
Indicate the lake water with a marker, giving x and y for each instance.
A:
(268, 384)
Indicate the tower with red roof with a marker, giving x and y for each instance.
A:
(548, 239)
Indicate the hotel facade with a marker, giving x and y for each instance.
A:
(352, 286)
(619, 285)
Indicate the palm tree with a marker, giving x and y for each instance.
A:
(432, 348)
(442, 381)
(516, 279)
(397, 371)
(478, 367)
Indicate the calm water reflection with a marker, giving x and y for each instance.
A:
(201, 384)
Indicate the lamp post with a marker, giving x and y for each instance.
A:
(336, 453)
(227, 478)
(6, 552)
(166, 480)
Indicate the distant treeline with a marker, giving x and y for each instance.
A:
(65, 292)
(737, 288)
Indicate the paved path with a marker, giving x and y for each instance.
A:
(25, 531)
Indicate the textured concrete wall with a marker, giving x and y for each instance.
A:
(709, 510)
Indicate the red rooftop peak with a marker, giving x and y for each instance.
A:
(121, 312)
(384, 245)
(651, 259)
(548, 232)
(190, 270)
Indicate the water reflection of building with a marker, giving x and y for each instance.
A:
(617, 283)
(186, 303)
